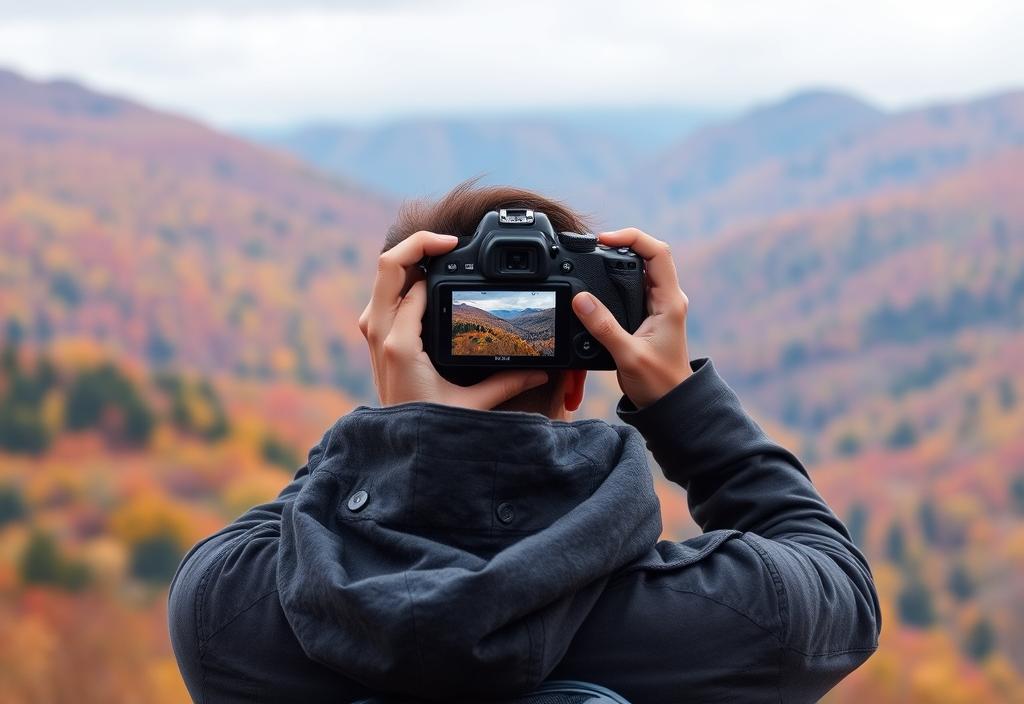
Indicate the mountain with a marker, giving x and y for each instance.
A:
(471, 314)
(184, 300)
(806, 151)
(557, 152)
(531, 332)
(870, 292)
(535, 324)
(509, 314)
(171, 243)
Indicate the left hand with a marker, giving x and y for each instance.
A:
(392, 325)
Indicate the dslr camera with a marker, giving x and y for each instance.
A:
(502, 297)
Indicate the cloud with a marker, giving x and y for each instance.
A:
(505, 300)
(264, 63)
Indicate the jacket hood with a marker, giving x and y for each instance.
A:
(444, 552)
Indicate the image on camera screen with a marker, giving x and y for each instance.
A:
(513, 323)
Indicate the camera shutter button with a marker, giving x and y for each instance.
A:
(578, 242)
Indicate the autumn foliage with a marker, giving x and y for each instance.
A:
(178, 326)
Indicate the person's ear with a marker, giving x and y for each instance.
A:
(575, 380)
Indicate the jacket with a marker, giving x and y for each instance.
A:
(433, 552)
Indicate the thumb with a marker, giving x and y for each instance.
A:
(600, 322)
(499, 388)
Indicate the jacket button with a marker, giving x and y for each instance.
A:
(358, 500)
(506, 513)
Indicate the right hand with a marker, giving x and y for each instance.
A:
(653, 360)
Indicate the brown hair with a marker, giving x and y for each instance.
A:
(461, 209)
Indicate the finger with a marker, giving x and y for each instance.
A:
(394, 263)
(597, 319)
(404, 339)
(662, 278)
(499, 388)
(393, 269)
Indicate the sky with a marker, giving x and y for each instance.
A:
(273, 63)
(505, 300)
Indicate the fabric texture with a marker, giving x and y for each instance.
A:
(432, 553)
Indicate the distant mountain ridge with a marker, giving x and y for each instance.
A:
(558, 152)
(509, 314)
(808, 151)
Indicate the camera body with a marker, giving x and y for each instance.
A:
(502, 297)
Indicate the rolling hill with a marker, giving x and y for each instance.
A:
(807, 151)
(857, 274)
(476, 331)
(561, 152)
(168, 242)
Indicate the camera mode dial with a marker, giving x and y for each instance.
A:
(576, 242)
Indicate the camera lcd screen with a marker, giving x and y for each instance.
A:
(513, 323)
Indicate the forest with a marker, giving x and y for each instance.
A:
(526, 333)
(178, 315)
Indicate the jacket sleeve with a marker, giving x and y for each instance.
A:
(224, 618)
(736, 478)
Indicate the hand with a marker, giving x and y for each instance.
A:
(392, 325)
(653, 360)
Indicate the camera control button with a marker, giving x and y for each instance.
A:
(451, 267)
(623, 250)
(469, 266)
(578, 242)
(566, 266)
(586, 346)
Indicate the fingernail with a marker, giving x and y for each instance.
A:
(447, 238)
(586, 304)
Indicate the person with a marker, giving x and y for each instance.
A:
(470, 543)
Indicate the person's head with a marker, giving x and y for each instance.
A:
(458, 213)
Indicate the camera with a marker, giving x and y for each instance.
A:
(502, 297)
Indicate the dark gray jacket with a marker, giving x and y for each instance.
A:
(492, 551)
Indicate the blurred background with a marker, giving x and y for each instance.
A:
(192, 195)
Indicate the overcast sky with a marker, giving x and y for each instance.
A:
(505, 300)
(265, 62)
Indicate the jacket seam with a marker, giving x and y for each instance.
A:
(732, 608)
(415, 630)
(776, 577)
(833, 653)
(540, 462)
(204, 580)
(234, 618)
(780, 587)
(681, 563)
(782, 645)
